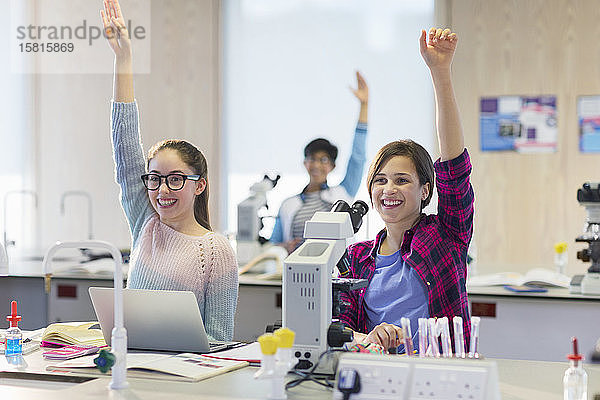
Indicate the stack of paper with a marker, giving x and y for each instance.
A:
(70, 351)
(78, 334)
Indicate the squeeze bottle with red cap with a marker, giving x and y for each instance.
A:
(575, 380)
(14, 336)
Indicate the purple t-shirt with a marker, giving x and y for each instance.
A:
(396, 291)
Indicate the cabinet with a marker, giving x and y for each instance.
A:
(528, 327)
(69, 299)
(259, 305)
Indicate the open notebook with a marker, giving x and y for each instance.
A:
(163, 320)
(536, 276)
(176, 367)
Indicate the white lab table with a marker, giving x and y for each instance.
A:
(531, 326)
(519, 380)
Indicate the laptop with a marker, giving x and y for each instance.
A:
(164, 320)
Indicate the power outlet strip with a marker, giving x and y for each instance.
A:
(413, 378)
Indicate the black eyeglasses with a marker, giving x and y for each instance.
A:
(174, 181)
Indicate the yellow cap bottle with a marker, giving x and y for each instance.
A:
(268, 344)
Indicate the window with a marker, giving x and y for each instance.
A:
(287, 71)
(16, 139)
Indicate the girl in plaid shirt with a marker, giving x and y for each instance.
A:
(416, 266)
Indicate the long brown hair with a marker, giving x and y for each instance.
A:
(419, 157)
(194, 158)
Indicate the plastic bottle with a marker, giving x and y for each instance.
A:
(14, 336)
(560, 257)
(575, 380)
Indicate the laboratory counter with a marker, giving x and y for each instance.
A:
(531, 326)
(519, 380)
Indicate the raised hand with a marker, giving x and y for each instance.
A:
(437, 47)
(362, 90)
(115, 29)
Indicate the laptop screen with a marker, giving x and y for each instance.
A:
(154, 319)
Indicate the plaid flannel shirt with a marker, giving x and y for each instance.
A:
(436, 247)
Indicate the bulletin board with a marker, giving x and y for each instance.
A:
(518, 123)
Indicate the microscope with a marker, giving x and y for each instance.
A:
(589, 197)
(249, 219)
(311, 294)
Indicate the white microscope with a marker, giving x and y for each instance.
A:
(308, 285)
(249, 220)
(589, 197)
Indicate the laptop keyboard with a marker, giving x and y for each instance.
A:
(218, 346)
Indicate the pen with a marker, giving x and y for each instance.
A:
(232, 359)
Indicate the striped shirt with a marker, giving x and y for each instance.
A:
(436, 248)
(312, 204)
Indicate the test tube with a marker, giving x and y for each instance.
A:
(422, 337)
(459, 341)
(443, 328)
(474, 337)
(433, 338)
(407, 333)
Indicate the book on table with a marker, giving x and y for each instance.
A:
(536, 276)
(83, 334)
(178, 367)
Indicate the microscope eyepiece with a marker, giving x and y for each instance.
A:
(361, 207)
(340, 206)
(357, 211)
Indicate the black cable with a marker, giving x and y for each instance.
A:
(310, 375)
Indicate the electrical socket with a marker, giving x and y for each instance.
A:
(441, 382)
(414, 378)
(380, 380)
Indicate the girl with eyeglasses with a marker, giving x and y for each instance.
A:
(173, 247)
(416, 266)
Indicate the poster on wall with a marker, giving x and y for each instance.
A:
(518, 123)
(588, 115)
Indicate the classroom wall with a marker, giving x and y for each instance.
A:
(526, 202)
(180, 97)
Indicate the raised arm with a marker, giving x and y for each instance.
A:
(120, 43)
(358, 157)
(127, 149)
(437, 49)
(362, 94)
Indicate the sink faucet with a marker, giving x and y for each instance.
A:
(89, 205)
(7, 242)
(119, 333)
